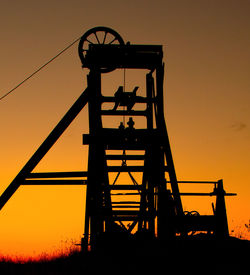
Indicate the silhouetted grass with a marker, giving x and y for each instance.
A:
(189, 256)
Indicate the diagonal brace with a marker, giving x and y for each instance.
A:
(45, 146)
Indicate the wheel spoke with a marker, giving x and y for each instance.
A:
(105, 35)
(97, 38)
(113, 40)
(89, 41)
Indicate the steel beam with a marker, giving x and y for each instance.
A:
(128, 168)
(137, 99)
(45, 146)
(125, 157)
(43, 175)
(123, 113)
(125, 187)
(54, 182)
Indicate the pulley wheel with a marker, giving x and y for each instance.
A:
(101, 36)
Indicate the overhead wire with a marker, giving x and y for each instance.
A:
(40, 68)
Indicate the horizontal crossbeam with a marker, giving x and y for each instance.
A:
(126, 218)
(54, 182)
(181, 194)
(206, 194)
(125, 202)
(125, 212)
(125, 157)
(128, 168)
(196, 182)
(126, 206)
(42, 175)
(125, 187)
(123, 113)
(123, 56)
(125, 168)
(137, 99)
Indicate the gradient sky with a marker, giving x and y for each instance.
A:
(207, 103)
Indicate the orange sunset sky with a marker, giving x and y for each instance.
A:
(207, 104)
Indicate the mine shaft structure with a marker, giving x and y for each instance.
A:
(132, 188)
(142, 200)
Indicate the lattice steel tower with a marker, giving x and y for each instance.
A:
(142, 203)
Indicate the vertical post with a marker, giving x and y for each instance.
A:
(221, 227)
(85, 239)
(144, 196)
(150, 160)
(160, 121)
(166, 216)
(93, 221)
(98, 202)
(149, 84)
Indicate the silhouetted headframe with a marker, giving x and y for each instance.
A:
(146, 204)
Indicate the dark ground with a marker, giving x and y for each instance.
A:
(189, 256)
